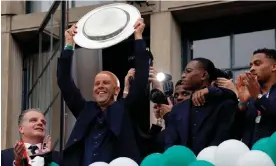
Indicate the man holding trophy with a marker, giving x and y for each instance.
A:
(103, 130)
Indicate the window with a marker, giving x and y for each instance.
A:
(215, 49)
(237, 72)
(44, 6)
(233, 52)
(86, 3)
(245, 44)
(40, 83)
(39, 6)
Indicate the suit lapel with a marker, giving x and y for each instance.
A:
(114, 117)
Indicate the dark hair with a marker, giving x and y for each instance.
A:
(21, 116)
(270, 53)
(224, 74)
(208, 66)
(179, 82)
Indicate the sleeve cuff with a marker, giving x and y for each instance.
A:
(258, 104)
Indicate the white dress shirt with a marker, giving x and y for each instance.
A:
(27, 145)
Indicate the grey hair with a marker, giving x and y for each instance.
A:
(21, 116)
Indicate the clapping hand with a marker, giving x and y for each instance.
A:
(48, 142)
(18, 149)
(252, 85)
(242, 90)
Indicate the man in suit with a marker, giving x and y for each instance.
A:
(104, 128)
(31, 125)
(199, 126)
(257, 94)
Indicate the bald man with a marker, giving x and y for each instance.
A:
(103, 130)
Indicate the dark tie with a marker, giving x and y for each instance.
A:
(33, 148)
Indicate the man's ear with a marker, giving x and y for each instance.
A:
(117, 91)
(205, 76)
(20, 129)
(274, 67)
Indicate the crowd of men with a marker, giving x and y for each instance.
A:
(207, 109)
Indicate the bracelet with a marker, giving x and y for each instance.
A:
(68, 47)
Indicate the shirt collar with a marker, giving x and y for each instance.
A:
(27, 145)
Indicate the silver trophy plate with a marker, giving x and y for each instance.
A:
(106, 26)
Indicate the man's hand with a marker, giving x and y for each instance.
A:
(164, 109)
(139, 29)
(152, 78)
(226, 83)
(156, 111)
(69, 34)
(131, 73)
(18, 150)
(252, 85)
(198, 97)
(48, 142)
(242, 90)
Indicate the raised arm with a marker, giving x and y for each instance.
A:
(139, 84)
(199, 97)
(70, 92)
(218, 93)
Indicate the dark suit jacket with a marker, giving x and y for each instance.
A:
(213, 128)
(7, 157)
(250, 132)
(118, 114)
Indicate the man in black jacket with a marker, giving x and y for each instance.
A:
(104, 129)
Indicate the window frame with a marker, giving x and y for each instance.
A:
(220, 27)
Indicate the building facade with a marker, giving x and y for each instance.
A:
(227, 32)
